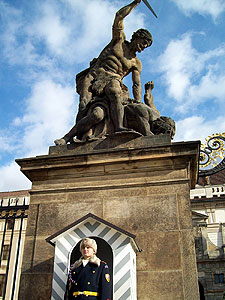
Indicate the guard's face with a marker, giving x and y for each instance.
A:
(87, 252)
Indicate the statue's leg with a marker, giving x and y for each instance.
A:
(64, 140)
(85, 96)
(144, 126)
(143, 120)
(83, 126)
(114, 94)
(85, 91)
(138, 119)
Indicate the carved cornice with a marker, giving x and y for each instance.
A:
(212, 155)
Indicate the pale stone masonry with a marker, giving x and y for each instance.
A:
(13, 221)
(209, 201)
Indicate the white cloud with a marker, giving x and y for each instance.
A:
(17, 47)
(4, 142)
(96, 18)
(52, 29)
(212, 86)
(198, 128)
(49, 114)
(179, 62)
(8, 144)
(192, 77)
(67, 32)
(11, 24)
(202, 7)
(13, 179)
(95, 26)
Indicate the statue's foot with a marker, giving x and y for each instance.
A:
(60, 142)
(77, 141)
(92, 138)
(120, 129)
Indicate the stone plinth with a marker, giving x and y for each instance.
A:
(142, 186)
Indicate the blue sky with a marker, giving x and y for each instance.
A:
(44, 44)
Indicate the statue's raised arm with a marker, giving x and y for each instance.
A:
(118, 26)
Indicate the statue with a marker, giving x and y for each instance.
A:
(105, 106)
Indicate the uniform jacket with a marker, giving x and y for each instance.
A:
(93, 277)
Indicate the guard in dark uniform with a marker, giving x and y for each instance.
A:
(89, 276)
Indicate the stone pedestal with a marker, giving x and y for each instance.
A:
(141, 186)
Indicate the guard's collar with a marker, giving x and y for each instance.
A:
(94, 260)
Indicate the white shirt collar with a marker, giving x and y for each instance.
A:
(85, 262)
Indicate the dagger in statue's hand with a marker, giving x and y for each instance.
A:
(149, 6)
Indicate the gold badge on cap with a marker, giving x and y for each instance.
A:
(107, 277)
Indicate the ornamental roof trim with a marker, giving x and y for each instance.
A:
(75, 225)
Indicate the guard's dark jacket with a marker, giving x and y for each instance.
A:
(94, 277)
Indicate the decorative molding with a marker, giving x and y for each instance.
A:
(212, 155)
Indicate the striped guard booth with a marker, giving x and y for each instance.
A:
(123, 247)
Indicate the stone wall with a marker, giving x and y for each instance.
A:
(143, 189)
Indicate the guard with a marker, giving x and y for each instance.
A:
(89, 277)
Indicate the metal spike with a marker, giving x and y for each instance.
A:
(149, 6)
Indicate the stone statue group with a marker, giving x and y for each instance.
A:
(105, 106)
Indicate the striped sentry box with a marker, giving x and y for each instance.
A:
(123, 247)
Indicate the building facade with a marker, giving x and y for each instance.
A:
(13, 220)
(208, 201)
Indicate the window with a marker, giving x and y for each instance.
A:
(2, 281)
(5, 252)
(9, 224)
(219, 278)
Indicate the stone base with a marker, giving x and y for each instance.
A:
(119, 140)
(141, 186)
